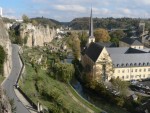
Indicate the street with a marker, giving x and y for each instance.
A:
(10, 81)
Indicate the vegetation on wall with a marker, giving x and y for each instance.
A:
(2, 59)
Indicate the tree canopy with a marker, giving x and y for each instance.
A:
(25, 18)
(101, 35)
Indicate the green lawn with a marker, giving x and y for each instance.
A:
(28, 86)
(1, 79)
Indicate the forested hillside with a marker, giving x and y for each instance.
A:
(107, 23)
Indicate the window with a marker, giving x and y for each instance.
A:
(139, 70)
(118, 71)
(135, 70)
(148, 69)
(143, 76)
(131, 70)
(132, 76)
(127, 76)
(122, 71)
(144, 70)
(122, 77)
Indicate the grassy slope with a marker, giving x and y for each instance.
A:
(30, 90)
(1, 79)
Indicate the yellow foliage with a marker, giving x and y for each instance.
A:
(101, 35)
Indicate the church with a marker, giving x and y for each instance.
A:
(106, 62)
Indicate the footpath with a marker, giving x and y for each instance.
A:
(24, 101)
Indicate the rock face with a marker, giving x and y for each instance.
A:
(6, 44)
(36, 35)
(5, 106)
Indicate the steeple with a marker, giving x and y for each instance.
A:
(91, 25)
(91, 36)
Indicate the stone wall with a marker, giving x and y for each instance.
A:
(6, 44)
(36, 35)
(5, 107)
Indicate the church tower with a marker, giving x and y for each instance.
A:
(91, 36)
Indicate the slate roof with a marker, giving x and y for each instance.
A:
(93, 51)
(117, 50)
(106, 44)
(130, 59)
(121, 56)
(131, 41)
(133, 51)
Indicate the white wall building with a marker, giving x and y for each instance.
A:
(1, 12)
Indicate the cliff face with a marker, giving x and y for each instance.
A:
(5, 106)
(6, 44)
(36, 35)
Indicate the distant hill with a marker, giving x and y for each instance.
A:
(8, 20)
(45, 21)
(107, 23)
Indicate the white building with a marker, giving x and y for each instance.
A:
(1, 12)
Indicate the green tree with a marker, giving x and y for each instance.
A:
(116, 36)
(25, 18)
(34, 22)
(101, 35)
(83, 36)
(120, 85)
(64, 72)
(74, 44)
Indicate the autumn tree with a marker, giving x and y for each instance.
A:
(101, 35)
(74, 43)
(25, 18)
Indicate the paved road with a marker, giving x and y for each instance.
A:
(10, 81)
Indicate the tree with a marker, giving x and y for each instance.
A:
(63, 72)
(120, 85)
(116, 36)
(25, 18)
(34, 22)
(101, 35)
(83, 38)
(74, 44)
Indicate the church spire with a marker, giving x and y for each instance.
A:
(91, 25)
(91, 36)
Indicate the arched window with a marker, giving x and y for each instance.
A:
(134, 64)
(117, 65)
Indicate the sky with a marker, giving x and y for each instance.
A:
(66, 10)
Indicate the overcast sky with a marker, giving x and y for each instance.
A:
(66, 10)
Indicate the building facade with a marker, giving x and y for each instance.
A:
(127, 62)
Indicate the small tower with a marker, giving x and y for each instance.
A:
(91, 36)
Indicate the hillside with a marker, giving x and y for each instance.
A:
(46, 21)
(108, 23)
